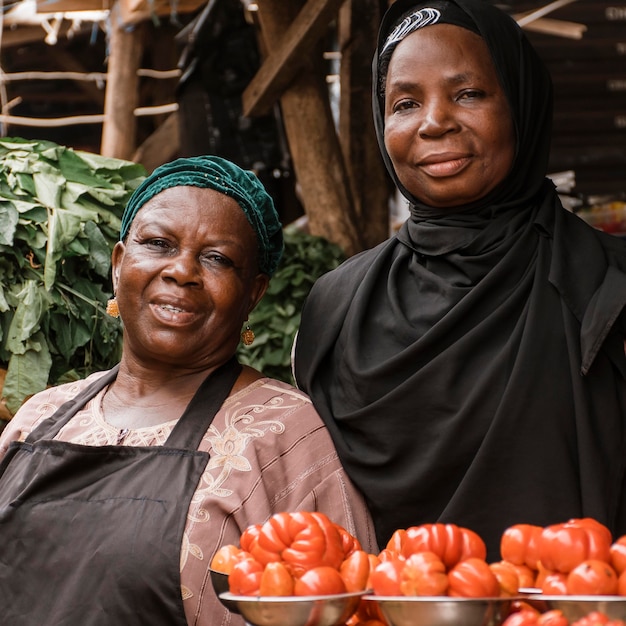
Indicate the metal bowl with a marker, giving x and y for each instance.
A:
(220, 585)
(576, 607)
(295, 610)
(442, 611)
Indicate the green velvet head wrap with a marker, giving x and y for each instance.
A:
(212, 172)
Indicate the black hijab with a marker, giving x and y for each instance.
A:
(471, 368)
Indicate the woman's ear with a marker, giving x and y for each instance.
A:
(259, 287)
(116, 262)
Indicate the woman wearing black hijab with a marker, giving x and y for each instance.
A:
(471, 369)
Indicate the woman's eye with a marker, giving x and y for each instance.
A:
(158, 243)
(471, 94)
(215, 258)
(404, 105)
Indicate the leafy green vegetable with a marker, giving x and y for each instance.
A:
(60, 213)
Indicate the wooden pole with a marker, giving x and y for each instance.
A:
(371, 186)
(314, 146)
(122, 91)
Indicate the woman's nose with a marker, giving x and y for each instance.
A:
(184, 268)
(436, 119)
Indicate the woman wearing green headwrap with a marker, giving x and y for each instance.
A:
(116, 491)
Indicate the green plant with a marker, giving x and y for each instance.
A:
(277, 317)
(60, 214)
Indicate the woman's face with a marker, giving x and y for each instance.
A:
(448, 127)
(186, 278)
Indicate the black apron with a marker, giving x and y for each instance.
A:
(91, 535)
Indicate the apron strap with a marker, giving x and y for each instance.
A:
(203, 407)
(190, 428)
(49, 428)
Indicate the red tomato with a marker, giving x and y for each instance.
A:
(526, 576)
(225, 558)
(451, 543)
(473, 545)
(245, 579)
(319, 581)
(555, 584)
(300, 539)
(473, 578)
(389, 555)
(315, 542)
(621, 584)
(564, 546)
(595, 618)
(507, 576)
(618, 554)
(374, 562)
(350, 542)
(519, 544)
(525, 617)
(589, 522)
(355, 571)
(553, 618)
(396, 542)
(424, 574)
(248, 536)
(385, 579)
(276, 580)
(592, 577)
(334, 553)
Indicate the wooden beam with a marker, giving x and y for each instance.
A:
(287, 55)
(63, 6)
(131, 11)
(371, 186)
(161, 146)
(313, 142)
(71, 64)
(22, 35)
(122, 90)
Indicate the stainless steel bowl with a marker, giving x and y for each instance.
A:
(575, 607)
(295, 610)
(442, 611)
(220, 585)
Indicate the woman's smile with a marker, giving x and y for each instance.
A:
(443, 165)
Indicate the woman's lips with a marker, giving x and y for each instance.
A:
(173, 314)
(442, 165)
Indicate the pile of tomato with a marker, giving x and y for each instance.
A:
(577, 557)
(295, 554)
(304, 553)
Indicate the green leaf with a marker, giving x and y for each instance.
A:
(48, 184)
(26, 321)
(77, 170)
(63, 226)
(27, 373)
(100, 251)
(8, 222)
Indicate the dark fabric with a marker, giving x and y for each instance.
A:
(471, 368)
(213, 172)
(437, 12)
(92, 535)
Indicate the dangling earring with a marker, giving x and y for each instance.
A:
(247, 336)
(112, 308)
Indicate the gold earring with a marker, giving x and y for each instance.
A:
(247, 336)
(112, 308)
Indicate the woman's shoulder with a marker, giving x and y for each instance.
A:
(43, 404)
(277, 393)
